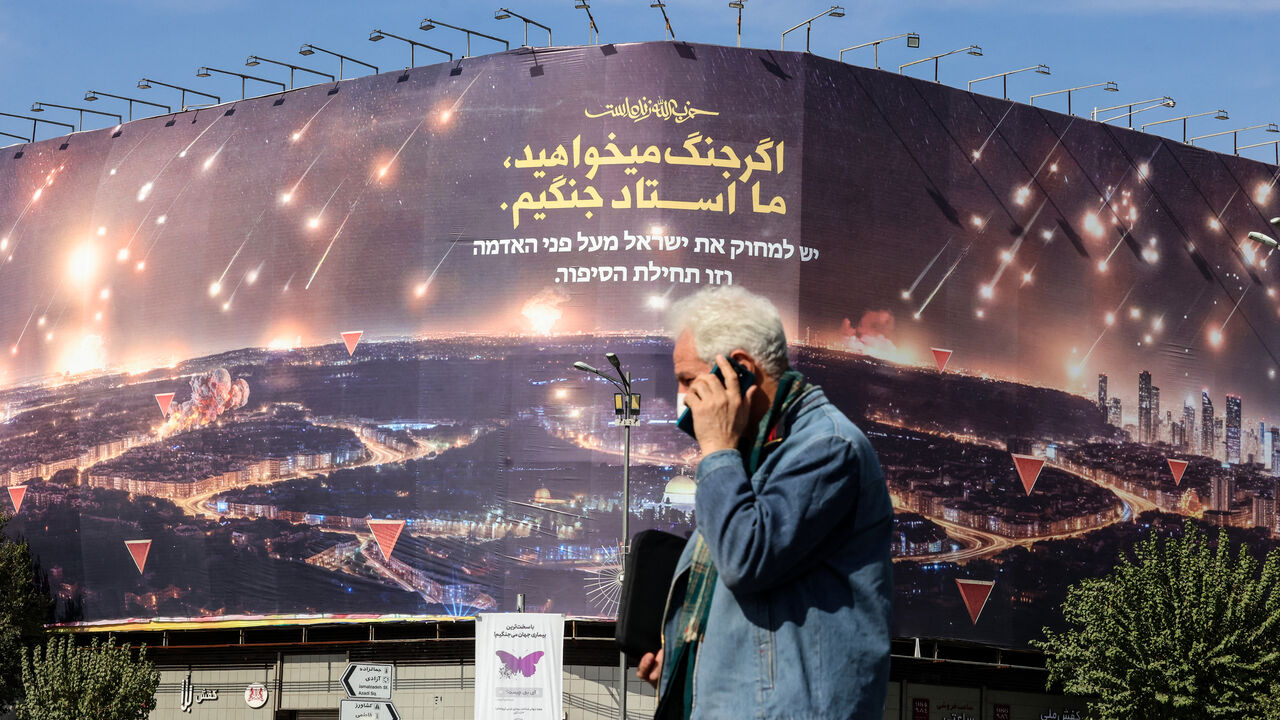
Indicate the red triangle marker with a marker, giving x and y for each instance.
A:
(1177, 467)
(164, 400)
(352, 338)
(975, 594)
(386, 532)
(16, 493)
(1028, 469)
(941, 357)
(139, 550)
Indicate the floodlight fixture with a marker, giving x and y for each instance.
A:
(663, 7)
(146, 83)
(94, 95)
(1108, 86)
(738, 5)
(591, 21)
(309, 49)
(255, 60)
(1151, 104)
(834, 11)
(1235, 147)
(913, 41)
(207, 71)
(1041, 69)
(376, 35)
(974, 50)
(40, 107)
(1217, 115)
(504, 13)
(429, 24)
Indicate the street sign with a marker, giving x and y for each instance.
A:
(368, 710)
(363, 681)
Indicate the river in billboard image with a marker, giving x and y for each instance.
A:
(311, 354)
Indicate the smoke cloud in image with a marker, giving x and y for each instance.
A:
(212, 394)
(871, 335)
(543, 310)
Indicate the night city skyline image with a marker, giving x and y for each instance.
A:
(311, 354)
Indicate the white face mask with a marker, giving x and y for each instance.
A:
(680, 406)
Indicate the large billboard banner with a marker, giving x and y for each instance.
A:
(310, 354)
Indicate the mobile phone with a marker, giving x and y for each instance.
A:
(745, 380)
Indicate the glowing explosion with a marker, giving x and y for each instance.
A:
(543, 309)
(212, 394)
(871, 336)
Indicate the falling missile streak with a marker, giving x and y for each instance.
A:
(436, 269)
(1013, 251)
(906, 294)
(288, 282)
(146, 188)
(973, 159)
(315, 220)
(1085, 359)
(447, 113)
(156, 239)
(24, 328)
(331, 242)
(124, 252)
(136, 145)
(286, 197)
(298, 135)
(218, 283)
(34, 196)
(214, 156)
(941, 282)
(1247, 288)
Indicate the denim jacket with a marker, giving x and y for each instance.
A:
(800, 618)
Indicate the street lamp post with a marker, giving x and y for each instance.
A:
(1004, 77)
(913, 41)
(1235, 148)
(663, 7)
(1217, 115)
(92, 95)
(1109, 86)
(376, 35)
(738, 5)
(626, 408)
(255, 60)
(146, 83)
(208, 71)
(834, 11)
(429, 24)
(1165, 101)
(40, 106)
(309, 49)
(591, 21)
(504, 13)
(972, 50)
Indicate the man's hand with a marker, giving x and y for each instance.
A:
(650, 668)
(719, 413)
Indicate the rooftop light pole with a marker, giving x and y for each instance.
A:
(93, 95)
(834, 11)
(23, 138)
(1235, 148)
(1164, 101)
(1217, 115)
(663, 7)
(913, 41)
(40, 107)
(1004, 77)
(626, 407)
(376, 35)
(208, 71)
(309, 49)
(35, 121)
(738, 5)
(255, 60)
(146, 83)
(591, 21)
(504, 13)
(1275, 143)
(429, 24)
(1109, 86)
(971, 50)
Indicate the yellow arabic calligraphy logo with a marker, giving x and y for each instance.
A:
(646, 108)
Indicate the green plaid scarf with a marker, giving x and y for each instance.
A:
(696, 607)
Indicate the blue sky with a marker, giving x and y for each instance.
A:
(1204, 54)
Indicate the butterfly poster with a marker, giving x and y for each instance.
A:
(519, 665)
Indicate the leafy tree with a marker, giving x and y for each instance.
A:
(24, 608)
(1184, 630)
(64, 681)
